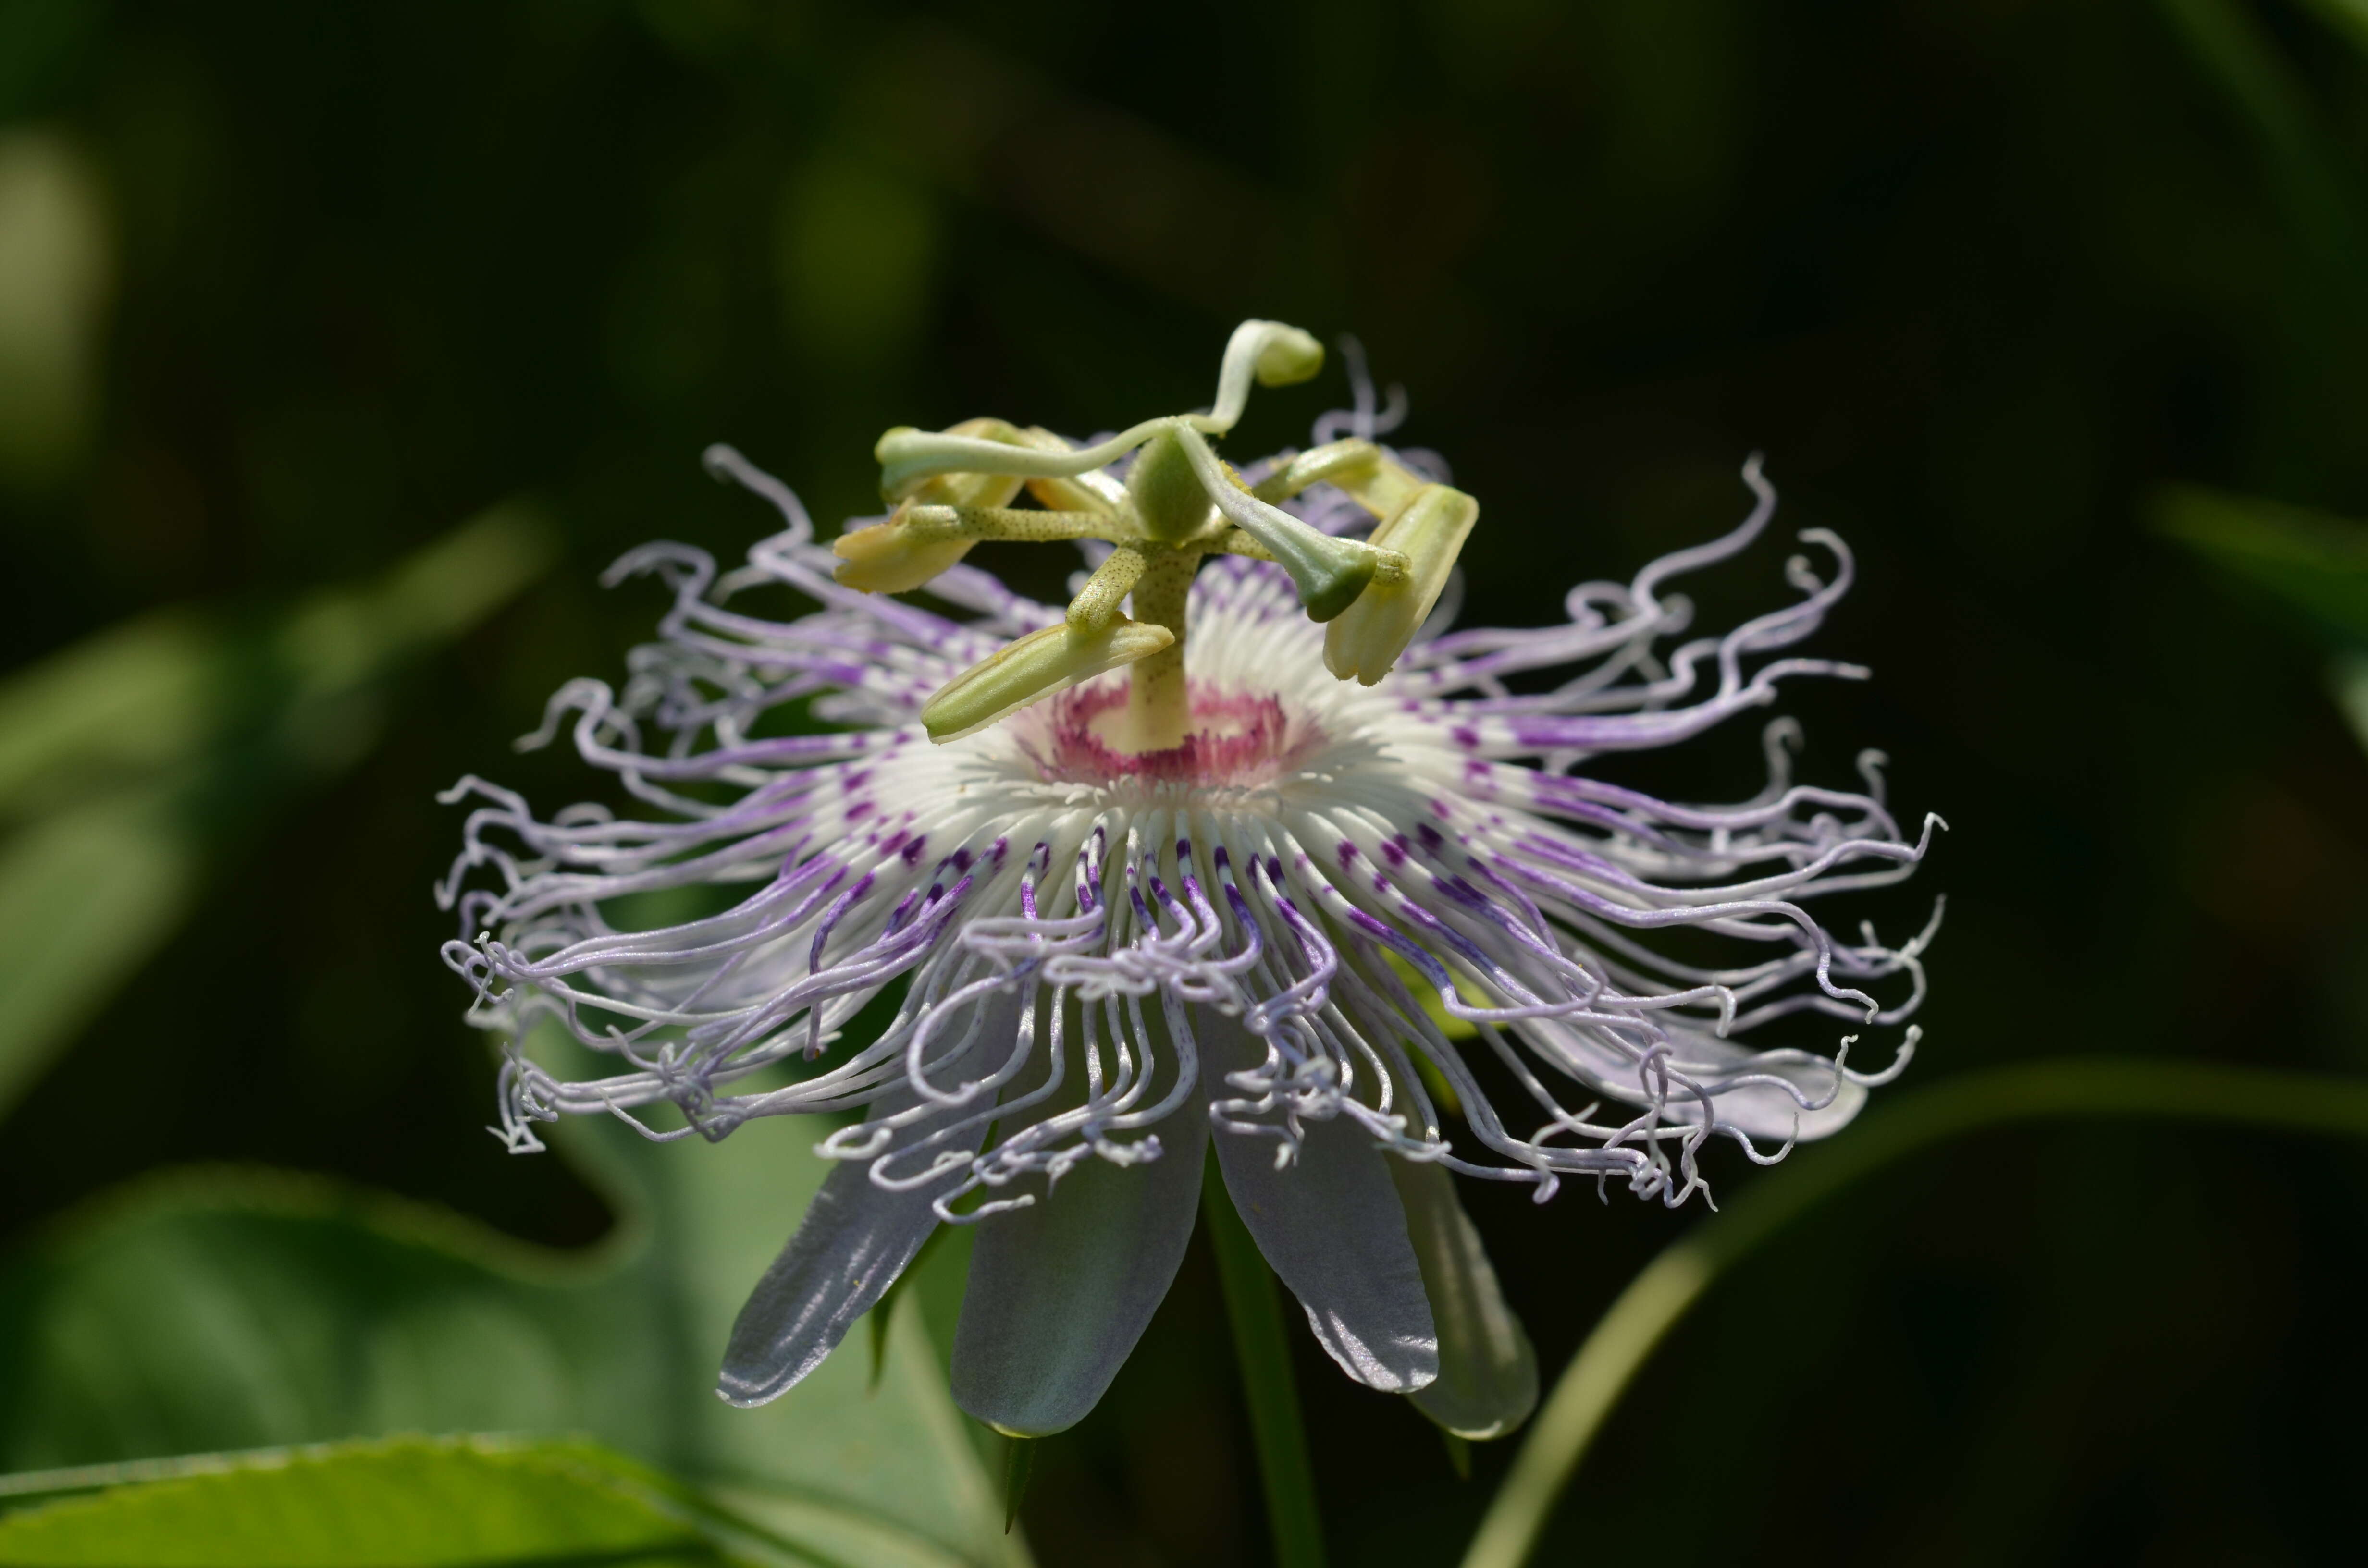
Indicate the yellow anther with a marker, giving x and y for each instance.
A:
(1429, 530)
(1383, 489)
(1033, 668)
(887, 557)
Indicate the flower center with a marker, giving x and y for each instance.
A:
(1237, 739)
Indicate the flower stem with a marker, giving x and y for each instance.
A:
(1264, 1354)
(1626, 1335)
(1159, 707)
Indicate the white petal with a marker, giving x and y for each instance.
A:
(857, 1237)
(1487, 1381)
(1331, 1225)
(1059, 1292)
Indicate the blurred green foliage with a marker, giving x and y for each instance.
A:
(128, 758)
(285, 292)
(2301, 566)
(2299, 559)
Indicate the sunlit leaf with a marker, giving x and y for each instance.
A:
(404, 1503)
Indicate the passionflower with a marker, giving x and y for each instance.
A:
(1242, 852)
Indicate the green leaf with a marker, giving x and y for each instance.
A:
(214, 1311)
(219, 1310)
(900, 1453)
(2311, 564)
(403, 1503)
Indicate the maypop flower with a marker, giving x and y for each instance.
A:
(1273, 865)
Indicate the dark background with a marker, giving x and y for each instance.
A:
(1978, 275)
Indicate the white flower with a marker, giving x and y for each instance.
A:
(1353, 933)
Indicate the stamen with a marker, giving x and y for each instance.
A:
(1033, 668)
(1430, 530)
